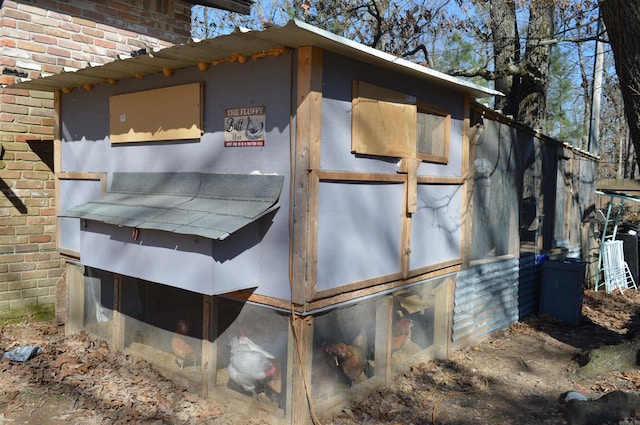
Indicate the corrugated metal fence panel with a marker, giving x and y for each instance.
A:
(529, 286)
(492, 296)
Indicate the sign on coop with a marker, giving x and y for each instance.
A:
(244, 126)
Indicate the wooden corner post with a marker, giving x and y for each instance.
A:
(306, 160)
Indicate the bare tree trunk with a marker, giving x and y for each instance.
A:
(584, 143)
(506, 53)
(536, 61)
(622, 20)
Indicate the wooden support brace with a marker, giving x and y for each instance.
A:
(300, 353)
(409, 166)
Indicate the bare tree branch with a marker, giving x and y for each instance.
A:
(512, 70)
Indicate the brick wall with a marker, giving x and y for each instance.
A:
(38, 38)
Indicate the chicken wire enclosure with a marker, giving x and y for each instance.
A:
(251, 346)
(413, 321)
(361, 345)
(419, 322)
(211, 345)
(246, 355)
(163, 325)
(495, 193)
(343, 353)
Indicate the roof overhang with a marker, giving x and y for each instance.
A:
(254, 44)
(238, 6)
(208, 205)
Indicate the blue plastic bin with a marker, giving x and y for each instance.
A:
(563, 289)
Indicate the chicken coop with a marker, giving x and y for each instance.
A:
(276, 219)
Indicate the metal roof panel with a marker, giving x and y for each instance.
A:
(238, 6)
(249, 43)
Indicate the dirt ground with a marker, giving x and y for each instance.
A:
(517, 376)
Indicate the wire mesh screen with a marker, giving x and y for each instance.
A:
(251, 350)
(343, 349)
(495, 192)
(374, 338)
(164, 325)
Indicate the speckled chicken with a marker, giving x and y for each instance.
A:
(249, 363)
(181, 348)
(350, 359)
(401, 333)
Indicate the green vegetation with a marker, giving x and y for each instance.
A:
(32, 313)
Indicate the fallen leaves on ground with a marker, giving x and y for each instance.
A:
(93, 383)
(515, 376)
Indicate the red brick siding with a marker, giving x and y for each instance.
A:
(40, 37)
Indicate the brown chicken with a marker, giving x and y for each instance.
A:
(324, 374)
(350, 359)
(180, 347)
(401, 332)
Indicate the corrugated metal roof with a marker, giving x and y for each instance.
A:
(249, 44)
(208, 205)
(239, 6)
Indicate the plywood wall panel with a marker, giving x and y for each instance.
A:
(436, 225)
(359, 232)
(167, 113)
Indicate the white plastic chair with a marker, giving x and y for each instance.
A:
(616, 270)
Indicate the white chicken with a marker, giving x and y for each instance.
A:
(249, 363)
